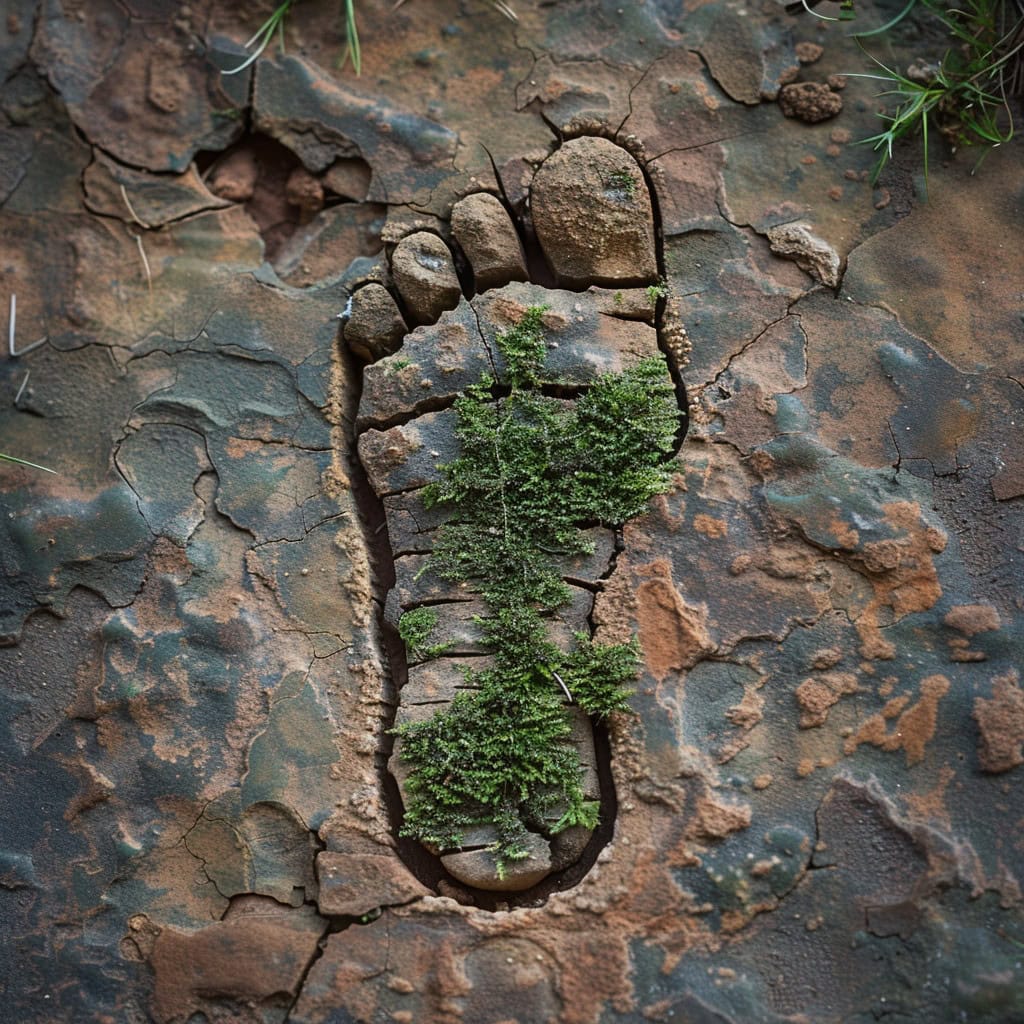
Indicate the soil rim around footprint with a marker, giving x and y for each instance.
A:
(424, 865)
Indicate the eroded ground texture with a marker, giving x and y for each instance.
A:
(818, 797)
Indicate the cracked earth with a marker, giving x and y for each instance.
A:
(813, 812)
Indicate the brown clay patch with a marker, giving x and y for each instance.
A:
(248, 958)
(930, 807)
(710, 526)
(673, 634)
(816, 696)
(1001, 725)
(914, 728)
(714, 819)
(970, 619)
(901, 572)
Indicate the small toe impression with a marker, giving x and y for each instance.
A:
(375, 326)
(489, 240)
(425, 276)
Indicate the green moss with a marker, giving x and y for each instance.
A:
(655, 292)
(623, 181)
(532, 471)
(415, 627)
(524, 349)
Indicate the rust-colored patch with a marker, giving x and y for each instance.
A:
(714, 819)
(901, 572)
(1001, 724)
(615, 607)
(914, 728)
(748, 712)
(673, 634)
(744, 716)
(816, 696)
(710, 526)
(847, 536)
(242, 447)
(336, 478)
(930, 807)
(970, 619)
(826, 658)
(353, 884)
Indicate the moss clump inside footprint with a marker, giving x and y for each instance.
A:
(508, 442)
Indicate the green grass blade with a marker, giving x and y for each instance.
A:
(264, 33)
(22, 462)
(824, 17)
(352, 37)
(888, 25)
(924, 133)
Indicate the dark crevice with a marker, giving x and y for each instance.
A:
(661, 313)
(537, 270)
(717, 140)
(438, 403)
(487, 348)
(437, 602)
(396, 296)
(332, 926)
(582, 584)
(733, 356)
(463, 270)
(424, 866)
(500, 184)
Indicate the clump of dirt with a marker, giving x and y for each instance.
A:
(810, 101)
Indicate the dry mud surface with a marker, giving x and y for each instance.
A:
(814, 812)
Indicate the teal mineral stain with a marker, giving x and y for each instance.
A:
(791, 415)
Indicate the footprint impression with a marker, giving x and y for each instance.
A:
(508, 437)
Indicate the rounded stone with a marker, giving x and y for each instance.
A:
(375, 327)
(488, 238)
(593, 217)
(425, 275)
